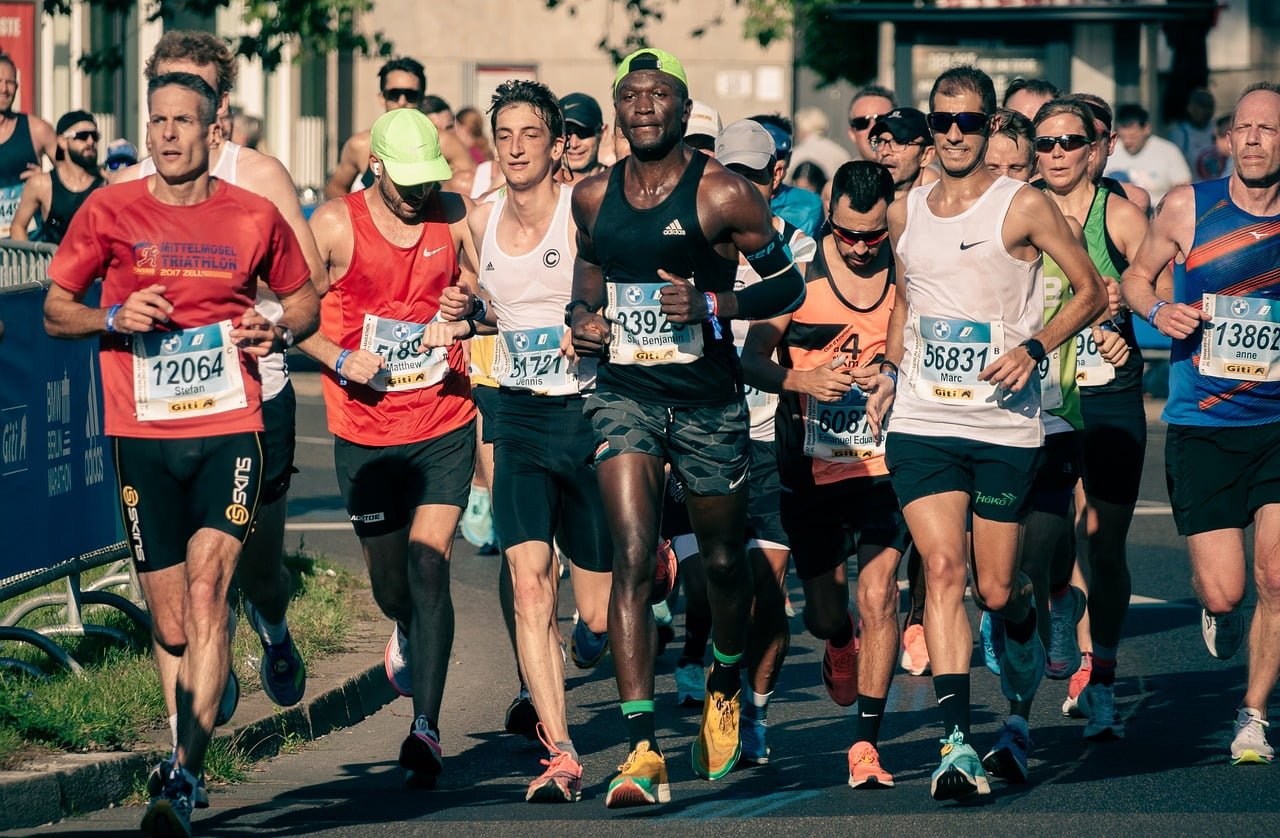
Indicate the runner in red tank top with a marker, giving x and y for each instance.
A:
(399, 400)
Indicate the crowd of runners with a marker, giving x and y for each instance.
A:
(685, 372)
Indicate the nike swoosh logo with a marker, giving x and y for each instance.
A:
(945, 697)
(870, 715)
(427, 254)
(736, 483)
(964, 246)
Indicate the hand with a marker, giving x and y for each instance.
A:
(441, 333)
(829, 382)
(255, 335)
(566, 347)
(865, 377)
(590, 332)
(880, 398)
(143, 310)
(682, 302)
(1012, 370)
(456, 303)
(31, 170)
(1114, 301)
(1178, 320)
(1111, 346)
(360, 366)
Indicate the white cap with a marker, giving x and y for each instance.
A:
(747, 143)
(703, 120)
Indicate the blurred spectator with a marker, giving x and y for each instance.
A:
(1151, 162)
(52, 197)
(1222, 144)
(814, 146)
(799, 206)
(614, 147)
(703, 128)
(471, 131)
(868, 104)
(1027, 95)
(1193, 135)
(809, 175)
(584, 129)
(246, 130)
(440, 114)
(28, 139)
(121, 154)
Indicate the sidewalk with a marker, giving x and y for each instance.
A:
(341, 690)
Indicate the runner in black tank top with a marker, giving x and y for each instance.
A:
(658, 243)
(63, 205)
(16, 154)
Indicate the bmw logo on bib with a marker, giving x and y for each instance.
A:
(634, 294)
(521, 341)
(171, 344)
(400, 331)
(1239, 307)
(941, 329)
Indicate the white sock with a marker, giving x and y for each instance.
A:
(760, 700)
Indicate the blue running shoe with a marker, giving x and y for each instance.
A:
(991, 630)
(1022, 667)
(751, 732)
(477, 520)
(587, 647)
(1008, 759)
(960, 774)
(283, 672)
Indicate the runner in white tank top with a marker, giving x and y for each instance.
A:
(964, 435)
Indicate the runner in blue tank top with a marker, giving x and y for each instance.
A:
(1222, 457)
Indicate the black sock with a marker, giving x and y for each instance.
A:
(953, 700)
(844, 636)
(697, 631)
(1021, 632)
(724, 678)
(870, 714)
(640, 727)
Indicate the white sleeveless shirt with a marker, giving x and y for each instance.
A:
(272, 368)
(969, 301)
(529, 292)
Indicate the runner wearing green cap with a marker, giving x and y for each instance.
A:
(659, 237)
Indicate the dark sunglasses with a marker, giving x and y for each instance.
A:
(115, 165)
(83, 136)
(1069, 142)
(582, 132)
(862, 123)
(969, 122)
(870, 238)
(408, 94)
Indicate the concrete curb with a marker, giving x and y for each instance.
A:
(58, 786)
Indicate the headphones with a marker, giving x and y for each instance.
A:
(377, 169)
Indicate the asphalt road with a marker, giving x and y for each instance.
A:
(1169, 776)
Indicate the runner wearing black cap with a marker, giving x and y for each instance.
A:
(904, 146)
(55, 196)
(583, 127)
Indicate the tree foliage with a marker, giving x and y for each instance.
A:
(314, 27)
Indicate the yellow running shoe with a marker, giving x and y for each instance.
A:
(642, 780)
(717, 748)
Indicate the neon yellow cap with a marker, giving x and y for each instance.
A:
(650, 58)
(407, 143)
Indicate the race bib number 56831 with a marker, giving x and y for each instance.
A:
(1242, 341)
(949, 355)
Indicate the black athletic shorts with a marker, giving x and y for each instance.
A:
(382, 486)
(169, 488)
(486, 399)
(764, 510)
(279, 415)
(997, 478)
(1219, 478)
(1113, 445)
(826, 524)
(546, 487)
(1055, 483)
(707, 446)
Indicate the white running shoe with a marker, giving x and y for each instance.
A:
(1249, 744)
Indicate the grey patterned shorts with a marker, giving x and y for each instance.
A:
(709, 447)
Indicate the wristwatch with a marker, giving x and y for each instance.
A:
(285, 337)
(1034, 348)
(568, 310)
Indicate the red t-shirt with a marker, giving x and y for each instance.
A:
(210, 257)
(400, 287)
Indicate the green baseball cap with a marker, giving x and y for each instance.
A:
(407, 143)
(650, 58)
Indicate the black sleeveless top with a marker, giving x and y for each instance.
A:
(17, 152)
(632, 245)
(62, 205)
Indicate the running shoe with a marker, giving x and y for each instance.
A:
(230, 700)
(421, 755)
(840, 672)
(1071, 707)
(477, 520)
(158, 775)
(283, 672)
(991, 630)
(1249, 744)
(396, 663)
(1222, 633)
(588, 648)
(665, 573)
(753, 730)
(1064, 649)
(561, 782)
(960, 773)
(691, 684)
(1008, 759)
(915, 651)
(864, 768)
(718, 746)
(169, 813)
(522, 717)
(641, 780)
(787, 607)
(664, 618)
(1098, 701)
(1022, 667)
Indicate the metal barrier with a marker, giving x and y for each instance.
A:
(57, 484)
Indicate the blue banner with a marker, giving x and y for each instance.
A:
(57, 479)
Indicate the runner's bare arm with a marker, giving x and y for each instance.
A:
(267, 176)
(1169, 236)
(351, 161)
(884, 388)
(460, 163)
(36, 196)
(590, 329)
(827, 383)
(66, 315)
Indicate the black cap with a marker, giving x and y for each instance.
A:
(903, 124)
(581, 109)
(71, 118)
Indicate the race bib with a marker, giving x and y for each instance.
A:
(1092, 370)
(1242, 341)
(405, 365)
(949, 355)
(839, 431)
(641, 332)
(190, 372)
(530, 359)
(10, 196)
(1050, 371)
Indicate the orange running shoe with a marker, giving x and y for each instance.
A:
(840, 672)
(864, 768)
(1071, 707)
(915, 652)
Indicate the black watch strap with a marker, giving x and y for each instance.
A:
(1034, 348)
(568, 310)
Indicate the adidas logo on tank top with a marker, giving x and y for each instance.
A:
(673, 229)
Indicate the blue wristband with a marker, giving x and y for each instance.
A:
(712, 307)
(111, 318)
(893, 376)
(1155, 309)
(342, 356)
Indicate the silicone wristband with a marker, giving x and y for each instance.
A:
(1155, 309)
(111, 318)
(893, 376)
(713, 307)
(342, 356)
